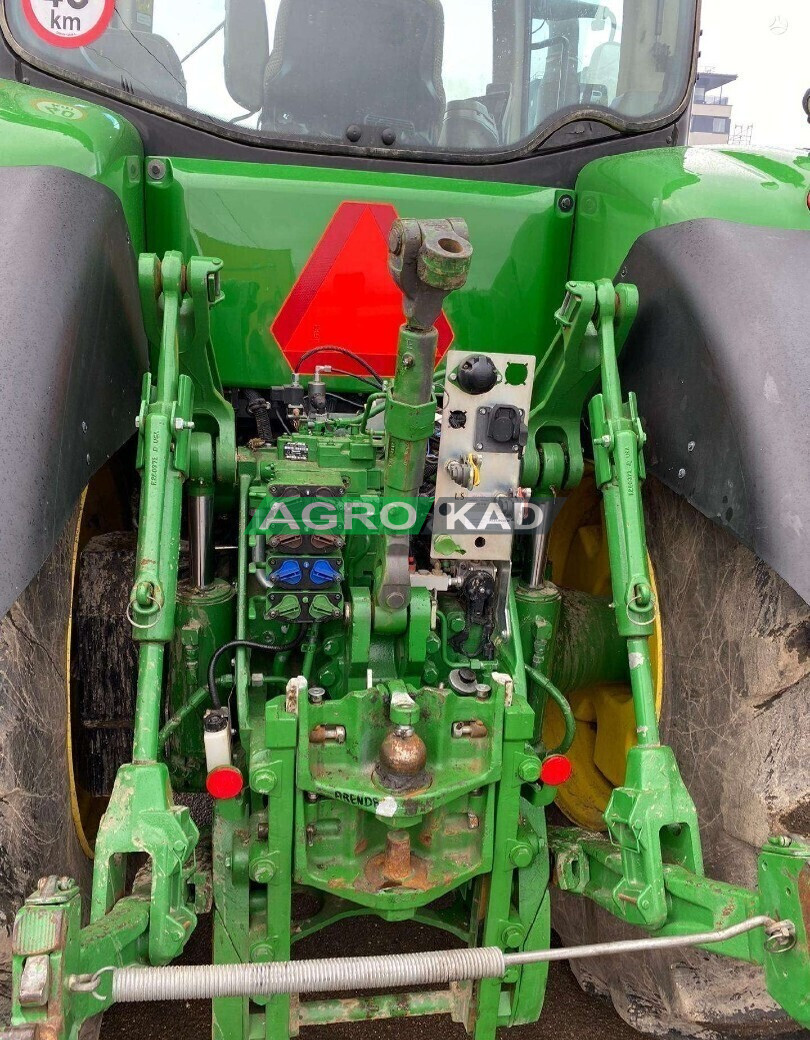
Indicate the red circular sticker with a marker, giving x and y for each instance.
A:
(68, 23)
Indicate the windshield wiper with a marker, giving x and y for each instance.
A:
(203, 41)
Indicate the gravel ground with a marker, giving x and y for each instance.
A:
(568, 1013)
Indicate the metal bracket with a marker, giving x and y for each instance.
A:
(142, 818)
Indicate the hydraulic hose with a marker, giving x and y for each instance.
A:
(260, 410)
(561, 701)
(259, 558)
(248, 644)
(358, 360)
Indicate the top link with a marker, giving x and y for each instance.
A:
(428, 259)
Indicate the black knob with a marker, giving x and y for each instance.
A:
(389, 136)
(354, 133)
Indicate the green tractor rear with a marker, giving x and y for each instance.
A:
(391, 317)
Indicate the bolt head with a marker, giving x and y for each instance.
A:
(156, 169)
(513, 935)
(565, 203)
(263, 780)
(261, 951)
(521, 855)
(262, 870)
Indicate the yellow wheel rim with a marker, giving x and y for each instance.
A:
(100, 510)
(79, 800)
(605, 722)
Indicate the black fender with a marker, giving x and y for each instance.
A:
(719, 357)
(72, 353)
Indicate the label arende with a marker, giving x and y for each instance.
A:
(68, 23)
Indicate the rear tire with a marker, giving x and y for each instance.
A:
(735, 710)
(37, 833)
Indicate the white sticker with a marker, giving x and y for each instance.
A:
(68, 23)
(60, 110)
(387, 807)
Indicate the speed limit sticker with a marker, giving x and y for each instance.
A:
(68, 23)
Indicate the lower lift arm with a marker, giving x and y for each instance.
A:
(51, 952)
(649, 870)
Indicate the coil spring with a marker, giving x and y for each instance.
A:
(179, 982)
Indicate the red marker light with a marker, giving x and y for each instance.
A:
(224, 782)
(555, 770)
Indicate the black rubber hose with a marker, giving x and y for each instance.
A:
(212, 665)
(260, 410)
(249, 645)
(346, 353)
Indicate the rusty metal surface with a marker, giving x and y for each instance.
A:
(402, 761)
(397, 866)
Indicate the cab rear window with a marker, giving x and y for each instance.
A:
(421, 76)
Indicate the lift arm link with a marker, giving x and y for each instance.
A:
(591, 866)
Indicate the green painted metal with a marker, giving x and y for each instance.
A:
(204, 620)
(650, 870)
(265, 221)
(621, 197)
(394, 1005)
(41, 128)
(49, 926)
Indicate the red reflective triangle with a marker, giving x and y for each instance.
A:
(345, 296)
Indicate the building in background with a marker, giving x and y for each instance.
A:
(710, 121)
